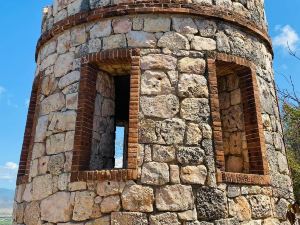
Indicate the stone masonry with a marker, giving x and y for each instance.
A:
(204, 143)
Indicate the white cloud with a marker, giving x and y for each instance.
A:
(119, 162)
(8, 172)
(27, 101)
(287, 36)
(11, 166)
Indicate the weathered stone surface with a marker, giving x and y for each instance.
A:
(233, 191)
(281, 208)
(173, 41)
(64, 121)
(261, 206)
(69, 79)
(141, 39)
(52, 103)
(194, 109)
(155, 83)
(171, 131)
(55, 144)
(203, 44)
(192, 85)
(137, 198)
(190, 155)
(56, 164)
(163, 153)
(110, 204)
(38, 150)
(114, 41)
(121, 25)
(193, 174)
(49, 61)
(158, 61)
(164, 219)
(42, 187)
(210, 203)
(41, 129)
(83, 206)
(240, 208)
(184, 25)
(128, 218)
(105, 220)
(207, 28)
(56, 208)
(49, 85)
(193, 134)
(189, 215)
(106, 188)
(32, 214)
(147, 133)
(78, 36)
(63, 42)
(230, 221)
(18, 213)
(191, 65)
(162, 106)
(101, 29)
(157, 24)
(155, 173)
(77, 186)
(174, 198)
(63, 64)
(174, 174)
(223, 42)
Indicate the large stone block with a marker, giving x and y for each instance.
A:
(162, 106)
(195, 109)
(63, 64)
(184, 25)
(193, 174)
(155, 83)
(83, 207)
(190, 155)
(157, 24)
(141, 39)
(173, 41)
(128, 218)
(240, 208)
(57, 208)
(171, 131)
(174, 198)
(210, 203)
(111, 204)
(164, 219)
(101, 29)
(163, 153)
(52, 103)
(192, 85)
(203, 44)
(158, 62)
(137, 198)
(42, 187)
(155, 173)
(32, 214)
(260, 206)
(191, 65)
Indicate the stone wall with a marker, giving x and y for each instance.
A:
(176, 165)
(233, 126)
(103, 144)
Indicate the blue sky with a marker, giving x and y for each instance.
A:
(20, 28)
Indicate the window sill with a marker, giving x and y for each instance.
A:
(102, 175)
(241, 178)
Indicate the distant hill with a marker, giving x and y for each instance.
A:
(6, 201)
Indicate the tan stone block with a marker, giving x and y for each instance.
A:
(193, 134)
(42, 187)
(173, 41)
(235, 97)
(101, 29)
(138, 198)
(83, 206)
(234, 164)
(106, 188)
(184, 25)
(102, 221)
(158, 61)
(128, 218)
(164, 218)
(78, 36)
(163, 153)
(174, 174)
(155, 173)
(236, 143)
(191, 65)
(239, 207)
(56, 208)
(157, 24)
(121, 25)
(193, 174)
(111, 204)
(32, 214)
(203, 44)
(63, 64)
(155, 83)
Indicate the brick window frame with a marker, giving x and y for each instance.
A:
(259, 172)
(29, 133)
(84, 122)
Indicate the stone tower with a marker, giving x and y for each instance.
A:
(153, 112)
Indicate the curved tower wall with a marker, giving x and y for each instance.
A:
(203, 139)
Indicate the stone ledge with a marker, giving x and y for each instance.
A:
(240, 178)
(140, 7)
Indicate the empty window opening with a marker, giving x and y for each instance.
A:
(233, 125)
(111, 117)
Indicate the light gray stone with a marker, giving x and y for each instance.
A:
(56, 208)
(141, 39)
(194, 109)
(157, 24)
(159, 62)
(174, 198)
(171, 131)
(155, 83)
(191, 65)
(52, 103)
(101, 29)
(114, 41)
(173, 41)
(164, 218)
(42, 187)
(163, 153)
(184, 25)
(126, 218)
(68, 79)
(193, 174)
(192, 85)
(203, 44)
(111, 204)
(154, 173)
(162, 106)
(207, 28)
(41, 129)
(83, 206)
(63, 64)
(190, 155)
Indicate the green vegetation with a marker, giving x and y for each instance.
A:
(5, 221)
(291, 121)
